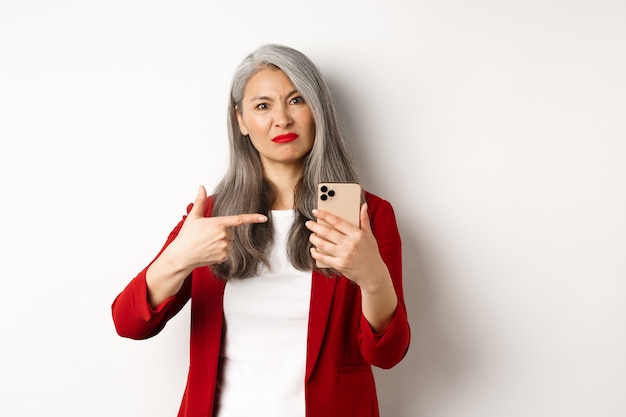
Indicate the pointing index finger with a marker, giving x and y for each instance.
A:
(241, 219)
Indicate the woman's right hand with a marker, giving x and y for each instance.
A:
(205, 241)
(201, 241)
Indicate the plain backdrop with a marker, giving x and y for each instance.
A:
(496, 129)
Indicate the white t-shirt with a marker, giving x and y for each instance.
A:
(264, 353)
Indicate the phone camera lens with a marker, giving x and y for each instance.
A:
(323, 197)
(331, 193)
(324, 188)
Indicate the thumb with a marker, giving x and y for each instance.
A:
(197, 210)
(365, 219)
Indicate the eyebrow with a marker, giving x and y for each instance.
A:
(267, 98)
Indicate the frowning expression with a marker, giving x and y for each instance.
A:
(278, 121)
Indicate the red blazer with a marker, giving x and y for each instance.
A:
(341, 345)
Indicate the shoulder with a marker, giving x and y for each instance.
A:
(376, 204)
(382, 216)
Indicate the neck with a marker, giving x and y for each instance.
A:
(284, 181)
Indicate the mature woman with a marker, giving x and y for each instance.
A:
(271, 334)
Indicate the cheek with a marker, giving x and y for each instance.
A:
(251, 124)
(261, 120)
(311, 122)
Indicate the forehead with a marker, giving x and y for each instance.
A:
(268, 83)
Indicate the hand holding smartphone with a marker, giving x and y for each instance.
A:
(341, 199)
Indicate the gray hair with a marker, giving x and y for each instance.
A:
(243, 189)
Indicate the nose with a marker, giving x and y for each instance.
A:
(282, 116)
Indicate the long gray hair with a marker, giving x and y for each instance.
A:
(244, 189)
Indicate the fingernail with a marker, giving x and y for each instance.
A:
(262, 218)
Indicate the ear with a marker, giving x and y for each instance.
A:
(242, 126)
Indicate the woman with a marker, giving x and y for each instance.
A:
(271, 334)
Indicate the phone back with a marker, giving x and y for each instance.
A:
(341, 199)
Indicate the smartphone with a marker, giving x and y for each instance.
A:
(343, 199)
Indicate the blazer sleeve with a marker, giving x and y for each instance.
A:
(388, 348)
(133, 315)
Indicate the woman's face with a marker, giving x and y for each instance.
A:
(277, 119)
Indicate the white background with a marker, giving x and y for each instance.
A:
(495, 128)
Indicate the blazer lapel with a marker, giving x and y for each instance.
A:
(322, 290)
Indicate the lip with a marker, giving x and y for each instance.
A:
(288, 137)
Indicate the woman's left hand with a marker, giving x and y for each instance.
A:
(351, 250)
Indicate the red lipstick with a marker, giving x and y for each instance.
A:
(288, 137)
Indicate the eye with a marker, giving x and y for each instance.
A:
(262, 106)
(296, 100)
